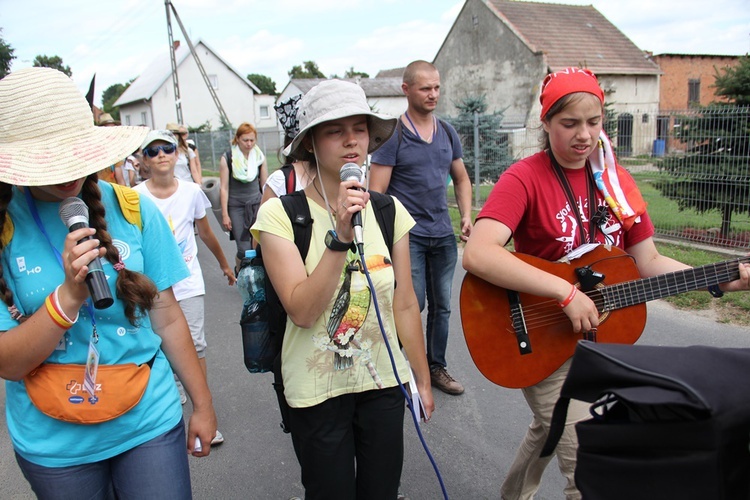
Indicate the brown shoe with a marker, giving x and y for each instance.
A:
(441, 379)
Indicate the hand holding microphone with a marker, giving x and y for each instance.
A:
(353, 172)
(75, 215)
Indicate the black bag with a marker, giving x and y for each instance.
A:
(298, 211)
(668, 422)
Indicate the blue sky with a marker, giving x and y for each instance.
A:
(116, 39)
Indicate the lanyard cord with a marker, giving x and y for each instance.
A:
(563, 180)
(35, 214)
(434, 127)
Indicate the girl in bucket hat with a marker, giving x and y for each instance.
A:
(347, 411)
(98, 434)
(570, 194)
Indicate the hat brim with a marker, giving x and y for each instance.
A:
(379, 127)
(69, 156)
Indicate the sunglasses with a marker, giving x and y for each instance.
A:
(153, 151)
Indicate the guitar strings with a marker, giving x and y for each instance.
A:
(546, 313)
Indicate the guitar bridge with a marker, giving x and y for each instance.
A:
(519, 323)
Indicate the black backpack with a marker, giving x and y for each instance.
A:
(296, 207)
(670, 422)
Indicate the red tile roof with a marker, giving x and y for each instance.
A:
(573, 35)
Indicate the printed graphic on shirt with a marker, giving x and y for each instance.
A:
(344, 335)
(607, 228)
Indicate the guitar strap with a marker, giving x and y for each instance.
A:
(563, 180)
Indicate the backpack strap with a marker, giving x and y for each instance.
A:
(296, 207)
(385, 213)
(290, 178)
(8, 229)
(130, 204)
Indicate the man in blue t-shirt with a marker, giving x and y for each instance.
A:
(413, 166)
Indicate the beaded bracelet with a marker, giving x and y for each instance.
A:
(569, 298)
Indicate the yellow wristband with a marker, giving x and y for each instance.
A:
(56, 318)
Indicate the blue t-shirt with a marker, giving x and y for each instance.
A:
(418, 180)
(32, 272)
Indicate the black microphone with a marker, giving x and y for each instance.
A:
(353, 172)
(75, 214)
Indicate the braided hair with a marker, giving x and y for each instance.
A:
(135, 289)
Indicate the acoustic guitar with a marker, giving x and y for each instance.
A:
(517, 340)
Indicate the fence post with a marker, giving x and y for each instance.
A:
(476, 158)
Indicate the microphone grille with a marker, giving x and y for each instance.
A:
(71, 208)
(350, 171)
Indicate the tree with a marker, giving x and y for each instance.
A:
(263, 82)
(734, 83)
(494, 155)
(713, 175)
(308, 69)
(110, 96)
(350, 73)
(715, 172)
(54, 62)
(6, 56)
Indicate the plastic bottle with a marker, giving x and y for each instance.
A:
(256, 341)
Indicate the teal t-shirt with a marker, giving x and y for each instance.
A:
(32, 272)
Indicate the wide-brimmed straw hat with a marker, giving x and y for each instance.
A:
(47, 131)
(335, 99)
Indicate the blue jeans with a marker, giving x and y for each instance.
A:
(155, 469)
(433, 261)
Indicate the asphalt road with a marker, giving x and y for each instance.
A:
(472, 437)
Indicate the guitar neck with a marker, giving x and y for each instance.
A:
(665, 285)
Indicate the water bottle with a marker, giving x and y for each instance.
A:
(256, 340)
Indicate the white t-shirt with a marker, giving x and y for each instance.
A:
(182, 167)
(181, 210)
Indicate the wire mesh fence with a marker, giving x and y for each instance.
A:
(692, 166)
(212, 144)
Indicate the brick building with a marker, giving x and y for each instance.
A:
(687, 79)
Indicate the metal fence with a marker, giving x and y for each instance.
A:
(692, 166)
(213, 144)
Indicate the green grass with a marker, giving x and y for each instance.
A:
(272, 162)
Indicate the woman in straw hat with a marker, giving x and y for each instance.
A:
(347, 409)
(116, 428)
(565, 196)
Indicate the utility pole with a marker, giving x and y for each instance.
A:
(175, 80)
(211, 90)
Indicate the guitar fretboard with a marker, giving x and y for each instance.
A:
(665, 285)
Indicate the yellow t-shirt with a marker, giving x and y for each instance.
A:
(352, 358)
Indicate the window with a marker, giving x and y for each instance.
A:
(214, 79)
(143, 117)
(694, 92)
(127, 119)
(264, 112)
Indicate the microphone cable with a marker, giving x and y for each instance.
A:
(409, 401)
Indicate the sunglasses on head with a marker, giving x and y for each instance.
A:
(153, 151)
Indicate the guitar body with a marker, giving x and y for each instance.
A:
(486, 315)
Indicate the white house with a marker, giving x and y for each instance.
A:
(384, 95)
(150, 99)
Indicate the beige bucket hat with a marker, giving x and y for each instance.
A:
(47, 131)
(334, 99)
